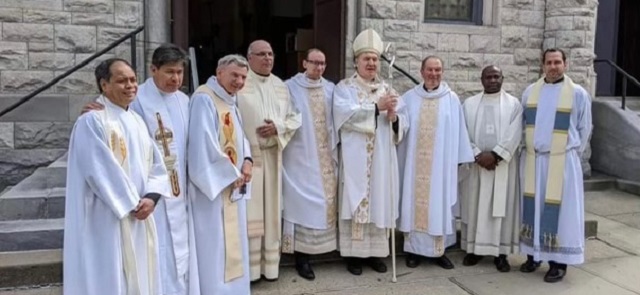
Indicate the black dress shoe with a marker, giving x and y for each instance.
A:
(502, 264)
(377, 264)
(354, 266)
(413, 260)
(554, 275)
(305, 271)
(444, 262)
(529, 266)
(471, 259)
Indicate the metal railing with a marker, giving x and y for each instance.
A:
(625, 77)
(130, 36)
(399, 69)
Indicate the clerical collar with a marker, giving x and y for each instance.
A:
(311, 80)
(492, 95)
(111, 105)
(432, 90)
(556, 82)
(162, 93)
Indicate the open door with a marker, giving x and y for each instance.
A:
(329, 32)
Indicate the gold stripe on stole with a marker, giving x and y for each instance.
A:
(427, 127)
(232, 247)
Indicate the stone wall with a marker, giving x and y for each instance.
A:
(39, 40)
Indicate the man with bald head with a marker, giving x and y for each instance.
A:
(489, 202)
(436, 144)
(310, 179)
(270, 120)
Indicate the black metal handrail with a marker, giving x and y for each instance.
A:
(625, 76)
(402, 71)
(131, 35)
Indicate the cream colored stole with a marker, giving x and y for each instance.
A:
(232, 247)
(555, 174)
(118, 146)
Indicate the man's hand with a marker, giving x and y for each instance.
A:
(387, 102)
(238, 183)
(392, 116)
(92, 106)
(247, 166)
(268, 129)
(144, 209)
(486, 160)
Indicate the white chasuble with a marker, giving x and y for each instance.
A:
(490, 206)
(219, 211)
(266, 98)
(369, 183)
(172, 219)
(310, 184)
(112, 164)
(437, 142)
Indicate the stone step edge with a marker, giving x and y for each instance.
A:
(53, 289)
(31, 225)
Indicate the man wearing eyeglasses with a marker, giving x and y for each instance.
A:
(309, 177)
(270, 121)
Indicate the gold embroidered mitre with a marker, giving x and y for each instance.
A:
(368, 41)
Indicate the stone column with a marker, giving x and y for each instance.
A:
(571, 26)
(157, 15)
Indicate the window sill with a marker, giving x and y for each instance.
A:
(452, 27)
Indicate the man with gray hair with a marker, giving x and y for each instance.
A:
(220, 167)
(270, 122)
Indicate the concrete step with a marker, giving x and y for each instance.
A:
(30, 268)
(27, 235)
(54, 289)
(40, 196)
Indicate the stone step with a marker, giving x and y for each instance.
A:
(54, 289)
(30, 268)
(27, 235)
(40, 196)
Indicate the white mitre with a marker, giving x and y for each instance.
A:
(368, 41)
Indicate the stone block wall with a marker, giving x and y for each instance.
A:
(40, 39)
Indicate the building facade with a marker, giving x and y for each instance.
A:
(41, 39)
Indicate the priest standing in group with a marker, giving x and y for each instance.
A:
(219, 163)
(310, 168)
(437, 143)
(557, 116)
(489, 196)
(371, 120)
(115, 176)
(270, 120)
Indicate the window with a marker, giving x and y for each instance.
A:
(454, 11)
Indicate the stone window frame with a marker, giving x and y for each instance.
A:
(484, 13)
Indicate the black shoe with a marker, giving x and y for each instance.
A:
(555, 274)
(377, 264)
(444, 262)
(305, 271)
(471, 259)
(530, 265)
(413, 260)
(354, 266)
(502, 264)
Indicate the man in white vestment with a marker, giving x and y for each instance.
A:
(489, 197)
(310, 179)
(557, 118)
(270, 120)
(436, 144)
(371, 120)
(219, 163)
(160, 102)
(115, 176)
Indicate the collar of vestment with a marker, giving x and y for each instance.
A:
(163, 94)
(494, 96)
(258, 77)
(112, 108)
(556, 82)
(306, 82)
(442, 90)
(432, 90)
(370, 85)
(220, 92)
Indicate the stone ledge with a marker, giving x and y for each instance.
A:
(458, 29)
(42, 108)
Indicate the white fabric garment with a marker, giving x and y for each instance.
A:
(211, 172)
(171, 213)
(450, 147)
(309, 174)
(494, 122)
(100, 195)
(369, 159)
(571, 221)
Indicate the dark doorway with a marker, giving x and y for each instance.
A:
(220, 27)
(629, 44)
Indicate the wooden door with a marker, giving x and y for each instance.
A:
(329, 34)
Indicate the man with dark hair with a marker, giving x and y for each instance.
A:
(165, 110)
(557, 116)
(309, 176)
(115, 177)
(489, 200)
